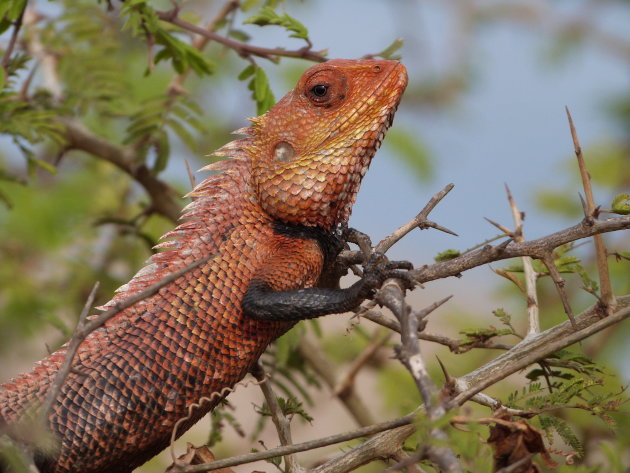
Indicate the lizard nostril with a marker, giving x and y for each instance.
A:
(377, 68)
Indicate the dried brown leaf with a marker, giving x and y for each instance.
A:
(513, 441)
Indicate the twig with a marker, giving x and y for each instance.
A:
(485, 243)
(283, 426)
(243, 49)
(163, 197)
(380, 338)
(383, 446)
(199, 43)
(50, 77)
(84, 328)
(505, 230)
(407, 461)
(423, 313)
(494, 404)
(300, 447)
(533, 315)
(78, 336)
(419, 221)
(559, 282)
(322, 365)
(453, 344)
(538, 347)
(607, 296)
(118, 307)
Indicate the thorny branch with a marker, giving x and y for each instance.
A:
(537, 248)
(392, 296)
(419, 221)
(300, 447)
(607, 296)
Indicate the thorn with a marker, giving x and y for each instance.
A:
(587, 215)
(421, 314)
(505, 230)
(440, 227)
(447, 377)
(505, 243)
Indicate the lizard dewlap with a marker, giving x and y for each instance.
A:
(269, 220)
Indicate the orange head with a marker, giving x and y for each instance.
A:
(311, 150)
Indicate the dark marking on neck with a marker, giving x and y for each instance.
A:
(328, 241)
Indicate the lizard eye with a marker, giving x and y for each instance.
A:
(325, 88)
(319, 93)
(319, 90)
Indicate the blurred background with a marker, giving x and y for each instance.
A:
(489, 81)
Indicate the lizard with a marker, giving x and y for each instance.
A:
(271, 215)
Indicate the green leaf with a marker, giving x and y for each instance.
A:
(239, 35)
(267, 16)
(446, 255)
(182, 133)
(388, 52)
(563, 430)
(11, 10)
(162, 152)
(44, 165)
(182, 55)
(2, 78)
(247, 72)
(621, 204)
(503, 316)
(261, 92)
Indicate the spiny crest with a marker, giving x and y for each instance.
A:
(206, 221)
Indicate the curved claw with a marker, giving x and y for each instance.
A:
(379, 268)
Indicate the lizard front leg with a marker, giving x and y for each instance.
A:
(266, 300)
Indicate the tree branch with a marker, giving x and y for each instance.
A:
(242, 49)
(299, 447)
(164, 199)
(534, 248)
(383, 446)
(537, 347)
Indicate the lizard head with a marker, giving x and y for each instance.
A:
(311, 150)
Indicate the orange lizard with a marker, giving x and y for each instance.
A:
(271, 218)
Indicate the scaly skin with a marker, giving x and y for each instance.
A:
(270, 217)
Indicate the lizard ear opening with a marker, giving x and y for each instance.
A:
(283, 152)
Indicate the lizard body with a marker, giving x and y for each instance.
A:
(270, 218)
